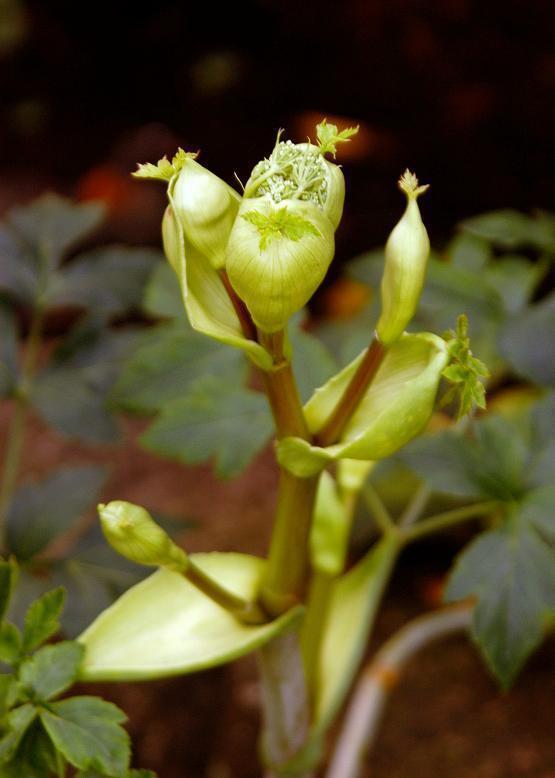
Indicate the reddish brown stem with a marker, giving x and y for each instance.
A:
(245, 320)
(353, 394)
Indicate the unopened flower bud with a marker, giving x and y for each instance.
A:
(406, 258)
(170, 239)
(133, 533)
(206, 207)
(277, 256)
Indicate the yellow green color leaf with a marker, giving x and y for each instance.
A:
(165, 626)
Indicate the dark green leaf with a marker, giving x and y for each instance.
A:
(469, 252)
(8, 576)
(312, 362)
(10, 643)
(527, 342)
(511, 571)
(41, 512)
(71, 394)
(35, 757)
(88, 732)
(166, 366)
(19, 721)
(8, 349)
(214, 421)
(108, 280)
(51, 670)
(19, 272)
(162, 297)
(42, 619)
(508, 229)
(51, 225)
(515, 279)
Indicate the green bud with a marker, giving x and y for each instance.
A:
(133, 533)
(299, 171)
(406, 258)
(206, 207)
(170, 240)
(277, 256)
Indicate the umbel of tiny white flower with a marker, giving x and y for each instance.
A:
(282, 242)
(406, 257)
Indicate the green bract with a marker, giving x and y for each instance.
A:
(132, 532)
(165, 626)
(395, 408)
(206, 207)
(406, 257)
(277, 256)
(207, 303)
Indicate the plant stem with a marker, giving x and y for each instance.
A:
(353, 394)
(448, 519)
(16, 432)
(415, 506)
(379, 511)
(245, 320)
(249, 612)
(380, 677)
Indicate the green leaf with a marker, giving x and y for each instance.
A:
(214, 421)
(109, 280)
(527, 342)
(51, 670)
(165, 626)
(19, 271)
(169, 362)
(464, 371)
(8, 576)
(511, 229)
(18, 722)
(88, 732)
(36, 755)
(162, 297)
(164, 170)
(9, 693)
(42, 619)
(352, 610)
(328, 136)
(329, 533)
(10, 643)
(8, 349)
(88, 361)
(280, 223)
(41, 512)
(511, 572)
(51, 225)
(469, 252)
(395, 408)
(515, 278)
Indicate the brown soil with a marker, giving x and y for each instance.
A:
(446, 719)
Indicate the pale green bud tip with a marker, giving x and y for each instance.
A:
(329, 137)
(133, 533)
(408, 183)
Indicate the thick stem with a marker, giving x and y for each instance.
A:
(380, 677)
(16, 432)
(448, 519)
(353, 394)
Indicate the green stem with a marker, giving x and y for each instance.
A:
(353, 394)
(448, 519)
(415, 506)
(380, 513)
(16, 432)
(249, 612)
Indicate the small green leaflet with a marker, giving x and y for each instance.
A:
(280, 224)
(328, 136)
(51, 670)
(164, 170)
(42, 619)
(463, 371)
(88, 732)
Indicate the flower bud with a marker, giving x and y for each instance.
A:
(277, 256)
(406, 257)
(170, 239)
(206, 207)
(132, 532)
(299, 171)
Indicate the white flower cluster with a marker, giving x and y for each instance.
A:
(292, 172)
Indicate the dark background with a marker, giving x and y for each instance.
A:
(459, 90)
